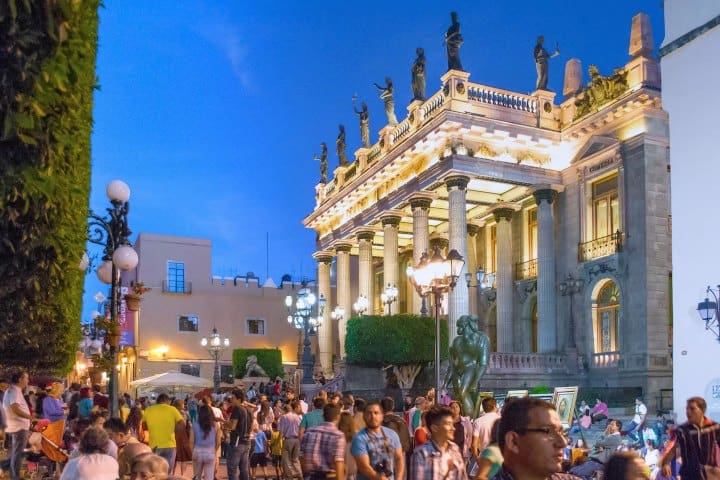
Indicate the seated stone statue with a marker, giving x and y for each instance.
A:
(252, 369)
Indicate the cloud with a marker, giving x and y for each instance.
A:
(227, 37)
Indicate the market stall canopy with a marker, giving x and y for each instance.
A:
(172, 379)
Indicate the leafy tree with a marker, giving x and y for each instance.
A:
(47, 80)
(405, 342)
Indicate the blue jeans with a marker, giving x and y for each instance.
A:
(239, 459)
(169, 455)
(631, 432)
(19, 442)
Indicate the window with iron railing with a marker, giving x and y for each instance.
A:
(600, 247)
(526, 270)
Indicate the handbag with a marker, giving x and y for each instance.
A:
(711, 473)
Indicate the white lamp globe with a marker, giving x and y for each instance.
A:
(84, 262)
(104, 272)
(125, 257)
(118, 191)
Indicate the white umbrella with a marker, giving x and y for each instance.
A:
(172, 379)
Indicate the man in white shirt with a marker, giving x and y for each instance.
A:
(637, 422)
(482, 426)
(18, 421)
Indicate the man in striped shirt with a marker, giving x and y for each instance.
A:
(440, 458)
(322, 450)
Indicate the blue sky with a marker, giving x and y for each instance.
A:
(212, 110)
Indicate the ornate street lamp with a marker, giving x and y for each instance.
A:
(483, 280)
(710, 312)
(569, 287)
(434, 277)
(338, 313)
(361, 305)
(112, 233)
(389, 296)
(215, 347)
(300, 314)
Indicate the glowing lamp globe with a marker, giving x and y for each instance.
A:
(125, 257)
(118, 191)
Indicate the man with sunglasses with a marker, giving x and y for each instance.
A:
(532, 440)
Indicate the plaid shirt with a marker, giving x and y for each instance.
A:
(321, 447)
(427, 460)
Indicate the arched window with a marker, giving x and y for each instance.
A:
(605, 318)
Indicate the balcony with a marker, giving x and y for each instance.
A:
(605, 360)
(526, 270)
(177, 288)
(600, 247)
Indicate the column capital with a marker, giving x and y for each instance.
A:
(472, 229)
(342, 247)
(547, 194)
(457, 181)
(506, 213)
(390, 219)
(365, 235)
(323, 256)
(420, 202)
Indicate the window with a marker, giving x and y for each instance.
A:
(190, 369)
(605, 207)
(607, 313)
(226, 374)
(255, 326)
(492, 260)
(175, 277)
(532, 234)
(188, 323)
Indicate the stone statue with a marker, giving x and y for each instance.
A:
(453, 41)
(418, 75)
(541, 63)
(340, 145)
(323, 163)
(468, 362)
(386, 94)
(600, 90)
(252, 369)
(364, 122)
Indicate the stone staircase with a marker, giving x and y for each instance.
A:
(596, 430)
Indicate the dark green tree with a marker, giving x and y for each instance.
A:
(47, 79)
(404, 342)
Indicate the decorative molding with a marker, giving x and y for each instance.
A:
(457, 181)
(689, 36)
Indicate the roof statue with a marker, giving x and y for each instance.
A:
(453, 41)
(386, 94)
(541, 62)
(323, 163)
(340, 146)
(364, 116)
(418, 75)
(600, 90)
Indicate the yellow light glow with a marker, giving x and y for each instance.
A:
(635, 128)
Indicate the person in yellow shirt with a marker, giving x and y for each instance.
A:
(276, 445)
(160, 420)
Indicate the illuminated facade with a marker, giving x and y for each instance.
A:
(566, 204)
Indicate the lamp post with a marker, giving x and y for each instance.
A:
(389, 295)
(361, 305)
(112, 233)
(569, 287)
(710, 312)
(300, 311)
(434, 277)
(215, 346)
(338, 313)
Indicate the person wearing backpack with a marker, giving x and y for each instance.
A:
(240, 424)
(398, 425)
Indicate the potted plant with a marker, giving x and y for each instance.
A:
(110, 330)
(132, 300)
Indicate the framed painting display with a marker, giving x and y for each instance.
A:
(564, 401)
(516, 393)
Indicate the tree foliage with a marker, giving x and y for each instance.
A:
(376, 341)
(47, 80)
(270, 359)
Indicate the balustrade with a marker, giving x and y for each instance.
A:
(499, 362)
(502, 98)
(606, 359)
(526, 270)
(600, 247)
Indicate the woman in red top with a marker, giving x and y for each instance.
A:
(422, 434)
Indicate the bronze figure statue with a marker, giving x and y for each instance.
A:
(468, 362)
(364, 122)
(418, 75)
(340, 145)
(323, 163)
(453, 41)
(386, 94)
(541, 62)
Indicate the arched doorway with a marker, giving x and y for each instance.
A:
(492, 327)
(606, 317)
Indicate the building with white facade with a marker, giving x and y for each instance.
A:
(565, 201)
(691, 74)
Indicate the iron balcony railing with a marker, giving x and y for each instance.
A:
(526, 270)
(600, 247)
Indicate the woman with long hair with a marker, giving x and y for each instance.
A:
(183, 439)
(347, 426)
(134, 423)
(206, 441)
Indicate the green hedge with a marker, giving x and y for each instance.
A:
(270, 359)
(46, 101)
(376, 341)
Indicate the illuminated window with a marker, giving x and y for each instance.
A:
(255, 327)
(532, 234)
(606, 207)
(606, 316)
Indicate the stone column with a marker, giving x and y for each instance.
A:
(365, 281)
(325, 337)
(471, 265)
(343, 291)
(504, 280)
(421, 238)
(390, 250)
(457, 219)
(546, 291)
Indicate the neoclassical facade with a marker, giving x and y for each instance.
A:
(565, 202)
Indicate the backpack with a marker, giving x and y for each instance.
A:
(397, 424)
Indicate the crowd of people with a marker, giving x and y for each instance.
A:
(273, 433)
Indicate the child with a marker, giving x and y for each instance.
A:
(276, 444)
(259, 455)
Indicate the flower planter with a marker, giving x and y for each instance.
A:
(132, 301)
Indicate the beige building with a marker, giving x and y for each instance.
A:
(565, 201)
(187, 301)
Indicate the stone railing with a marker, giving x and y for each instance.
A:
(432, 106)
(401, 130)
(605, 360)
(526, 362)
(502, 98)
(600, 247)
